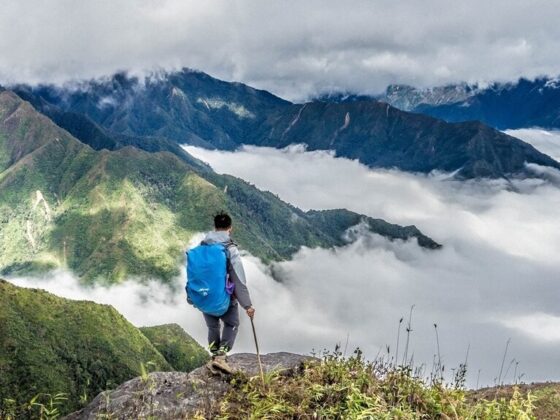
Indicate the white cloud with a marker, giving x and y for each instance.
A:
(541, 326)
(292, 48)
(546, 141)
(496, 277)
(153, 304)
(499, 264)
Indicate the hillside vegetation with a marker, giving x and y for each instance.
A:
(338, 387)
(108, 215)
(180, 350)
(51, 345)
(545, 397)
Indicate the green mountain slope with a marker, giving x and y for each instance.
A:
(50, 344)
(179, 349)
(112, 214)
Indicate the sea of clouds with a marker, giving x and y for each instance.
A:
(496, 278)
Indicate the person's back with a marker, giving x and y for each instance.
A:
(220, 340)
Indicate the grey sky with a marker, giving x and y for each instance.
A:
(293, 48)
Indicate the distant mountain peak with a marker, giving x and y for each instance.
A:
(189, 107)
(407, 98)
(503, 105)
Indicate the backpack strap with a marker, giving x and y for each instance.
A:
(228, 245)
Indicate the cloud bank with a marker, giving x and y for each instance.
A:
(292, 48)
(496, 278)
(546, 141)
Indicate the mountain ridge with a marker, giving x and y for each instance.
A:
(398, 139)
(121, 213)
(193, 108)
(521, 104)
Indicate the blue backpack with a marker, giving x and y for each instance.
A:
(206, 278)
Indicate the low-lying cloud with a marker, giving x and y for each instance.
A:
(546, 141)
(498, 275)
(496, 278)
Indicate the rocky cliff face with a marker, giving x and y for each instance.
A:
(173, 395)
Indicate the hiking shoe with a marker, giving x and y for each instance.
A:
(212, 369)
(220, 363)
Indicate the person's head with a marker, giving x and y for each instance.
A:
(222, 221)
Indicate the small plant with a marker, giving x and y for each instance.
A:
(51, 409)
(514, 408)
(41, 407)
(336, 386)
(84, 395)
(499, 382)
(8, 409)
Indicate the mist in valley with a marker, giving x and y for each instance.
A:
(495, 279)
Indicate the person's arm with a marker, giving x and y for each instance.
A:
(237, 275)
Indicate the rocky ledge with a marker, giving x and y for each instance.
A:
(178, 395)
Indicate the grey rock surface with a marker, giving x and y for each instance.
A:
(178, 395)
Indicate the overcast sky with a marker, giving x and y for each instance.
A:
(293, 48)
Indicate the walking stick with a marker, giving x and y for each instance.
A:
(258, 353)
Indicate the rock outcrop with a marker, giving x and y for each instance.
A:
(178, 395)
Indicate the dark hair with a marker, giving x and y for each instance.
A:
(222, 220)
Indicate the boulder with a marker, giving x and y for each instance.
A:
(178, 395)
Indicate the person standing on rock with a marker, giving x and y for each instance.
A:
(216, 285)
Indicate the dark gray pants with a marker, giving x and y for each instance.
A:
(221, 340)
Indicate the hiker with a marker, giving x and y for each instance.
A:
(216, 285)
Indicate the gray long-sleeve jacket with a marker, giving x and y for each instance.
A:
(235, 269)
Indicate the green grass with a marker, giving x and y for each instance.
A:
(52, 345)
(545, 397)
(338, 387)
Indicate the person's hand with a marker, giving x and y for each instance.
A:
(250, 312)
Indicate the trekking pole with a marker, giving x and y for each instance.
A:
(258, 353)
